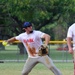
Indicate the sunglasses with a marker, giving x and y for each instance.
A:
(27, 26)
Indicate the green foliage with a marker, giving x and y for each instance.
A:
(40, 12)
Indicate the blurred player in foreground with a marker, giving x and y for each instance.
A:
(70, 38)
(32, 41)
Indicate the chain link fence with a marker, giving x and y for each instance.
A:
(58, 52)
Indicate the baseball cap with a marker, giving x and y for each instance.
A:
(27, 24)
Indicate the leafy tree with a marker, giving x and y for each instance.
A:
(40, 12)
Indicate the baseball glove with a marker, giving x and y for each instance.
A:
(43, 50)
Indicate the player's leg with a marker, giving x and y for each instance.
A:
(74, 59)
(30, 63)
(50, 65)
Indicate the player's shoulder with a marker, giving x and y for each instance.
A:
(22, 34)
(72, 26)
(36, 31)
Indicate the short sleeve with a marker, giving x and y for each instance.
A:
(69, 33)
(40, 34)
(18, 37)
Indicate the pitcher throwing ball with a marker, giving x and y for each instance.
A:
(37, 51)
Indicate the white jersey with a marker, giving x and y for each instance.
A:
(32, 42)
(71, 33)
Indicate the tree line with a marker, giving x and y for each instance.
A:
(51, 16)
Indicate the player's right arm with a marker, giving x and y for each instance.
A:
(11, 40)
(69, 39)
(69, 45)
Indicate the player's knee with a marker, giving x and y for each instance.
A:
(50, 67)
(24, 73)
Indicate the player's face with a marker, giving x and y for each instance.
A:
(29, 29)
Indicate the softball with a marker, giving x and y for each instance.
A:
(4, 43)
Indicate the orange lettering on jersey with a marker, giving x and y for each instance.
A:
(24, 41)
(28, 40)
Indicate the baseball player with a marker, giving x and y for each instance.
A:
(32, 40)
(71, 37)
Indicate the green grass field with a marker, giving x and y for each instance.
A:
(39, 69)
(14, 68)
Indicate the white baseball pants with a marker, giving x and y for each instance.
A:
(31, 62)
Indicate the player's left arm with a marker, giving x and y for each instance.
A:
(47, 38)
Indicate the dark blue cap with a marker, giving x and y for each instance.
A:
(27, 24)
